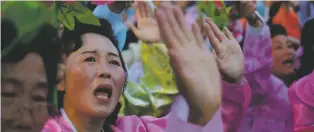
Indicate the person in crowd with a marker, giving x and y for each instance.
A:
(283, 13)
(301, 93)
(94, 49)
(231, 105)
(269, 108)
(117, 13)
(158, 94)
(283, 53)
(28, 74)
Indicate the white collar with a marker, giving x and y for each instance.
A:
(66, 118)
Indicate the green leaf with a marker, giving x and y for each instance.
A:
(88, 19)
(6, 5)
(229, 9)
(32, 4)
(65, 17)
(84, 15)
(69, 21)
(28, 17)
(79, 9)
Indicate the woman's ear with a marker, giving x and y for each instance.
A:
(60, 30)
(61, 73)
(61, 76)
(61, 86)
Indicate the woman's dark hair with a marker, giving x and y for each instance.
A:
(277, 29)
(72, 41)
(307, 41)
(46, 44)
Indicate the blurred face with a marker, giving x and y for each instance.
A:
(284, 56)
(24, 90)
(94, 77)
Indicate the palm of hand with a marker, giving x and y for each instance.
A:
(147, 30)
(195, 70)
(231, 59)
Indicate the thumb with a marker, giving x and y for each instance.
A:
(132, 27)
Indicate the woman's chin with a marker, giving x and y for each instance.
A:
(101, 111)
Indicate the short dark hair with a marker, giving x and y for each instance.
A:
(307, 41)
(277, 29)
(72, 41)
(46, 44)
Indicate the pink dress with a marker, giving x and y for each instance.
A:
(301, 95)
(169, 123)
(236, 99)
(270, 109)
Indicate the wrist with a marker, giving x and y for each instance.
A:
(230, 80)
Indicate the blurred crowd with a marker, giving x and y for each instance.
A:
(159, 66)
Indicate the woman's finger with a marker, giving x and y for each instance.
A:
(212, 38)
(148, 10)
(143, 10)
(166, 32)
(215, 29)
(181, 21)
(197, 35)
(174, 24)
(137, 11)
(132, 27)
(228, 33)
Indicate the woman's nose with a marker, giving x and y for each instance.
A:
(290, 51)
(26, 120)
(103, 71)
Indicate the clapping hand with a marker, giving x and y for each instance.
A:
(147, 28)
(227, 52)
(196, 69)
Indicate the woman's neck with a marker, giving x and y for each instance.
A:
(83, 122)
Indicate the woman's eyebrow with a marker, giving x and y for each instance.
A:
(112, 54)
(89, 52)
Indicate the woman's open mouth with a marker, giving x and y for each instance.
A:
(289, 62)
(103, 92)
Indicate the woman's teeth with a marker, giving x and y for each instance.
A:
(102, 96)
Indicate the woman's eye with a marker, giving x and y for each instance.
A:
(114, 63)
(278, 47)
(90, 59)
(8, 94)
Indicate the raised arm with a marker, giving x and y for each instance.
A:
(154, 92)
(257, 50)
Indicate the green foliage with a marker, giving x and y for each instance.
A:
(27, 25)
(218, 15)
(29, 16)
(67, 12)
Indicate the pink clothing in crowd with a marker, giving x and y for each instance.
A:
(270, 109)
(169, 123)
(301, 95)
(235, 101)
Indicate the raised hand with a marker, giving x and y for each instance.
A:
(196, 70)
(227, 52)
(247, 9)
(147, 28)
